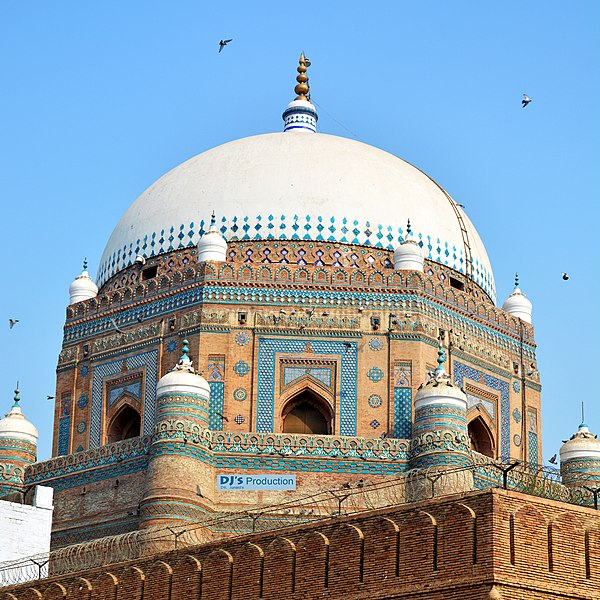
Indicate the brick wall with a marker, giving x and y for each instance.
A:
(491, 544)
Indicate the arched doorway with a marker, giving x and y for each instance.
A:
(124, 425)
(481, 438)
(307, 413)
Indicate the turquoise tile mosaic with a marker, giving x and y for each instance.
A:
(462, 371)
(292, 227)
(215, 406)
(269, 348)
(146, 360)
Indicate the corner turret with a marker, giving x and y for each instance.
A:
(18, 447)
(440, 440)
(580, 459)
(517, 303)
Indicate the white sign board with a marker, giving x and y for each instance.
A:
(242, 482)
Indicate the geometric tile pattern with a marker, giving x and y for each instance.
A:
(148, 360)
(215, 406)
(403, 413)
(215, 371)
(267, 351)
(516, 413)
(241, 368)
(375, 344)
(64, 435)
(297, 227)
(375, 374)
(240, 394)
(532, 448)
(322, 374)
(375, 401)
(133, 389)
(461, 371)
(64, 425)
(473, 400)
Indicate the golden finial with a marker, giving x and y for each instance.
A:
(302, 89)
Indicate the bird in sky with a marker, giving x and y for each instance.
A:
(115, 326)
(12, 322)
(50, 397)
(224, 43)
(526, 100)
(565, 276)
(552, 459)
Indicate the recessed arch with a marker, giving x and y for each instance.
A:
(481, 437)
(307, 413)
(124, 425)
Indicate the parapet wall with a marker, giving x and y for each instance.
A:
(459, 547)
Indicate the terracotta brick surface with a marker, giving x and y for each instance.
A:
(458, 547)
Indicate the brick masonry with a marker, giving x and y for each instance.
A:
(494, 544)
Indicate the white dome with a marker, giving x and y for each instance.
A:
(212, 245)
(82, 288)
(14, 425)
(296, 186)
(582, 444)
(183, 379)
(408, 256)
(518, 305)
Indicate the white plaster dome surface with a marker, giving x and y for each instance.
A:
(296, 186)
(15, 426)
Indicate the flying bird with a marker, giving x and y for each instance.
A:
(565, 276)
(221, 416)
(50, 397)
(224, 43)
(526, 100)
(12, 322)
(552, 459)
(115, 326)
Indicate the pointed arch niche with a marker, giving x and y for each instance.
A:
(307, 412)
(123, 400)
(482, 439)
(125, 424)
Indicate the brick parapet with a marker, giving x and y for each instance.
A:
(458, 547)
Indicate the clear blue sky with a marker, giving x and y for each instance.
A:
(100, 99)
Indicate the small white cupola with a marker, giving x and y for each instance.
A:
(183, 378)
(212, 245)
(83, 287)
(15, 426)
(300, 114)
(408, 255)
(517, 303)
(582, 444)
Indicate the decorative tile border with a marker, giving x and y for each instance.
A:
(147, 360)
(461, 371)
(343, 230)
(268, 348)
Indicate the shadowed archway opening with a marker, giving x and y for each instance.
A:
(307, 413)
(124, 425)
(481, 437)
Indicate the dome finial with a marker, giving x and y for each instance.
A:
(441, 359)
(300, 114)
(212, 219)
(17, 397)
(85, 263)
(302, 89)
(516, 280)
(185, 350)
(408, 229)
